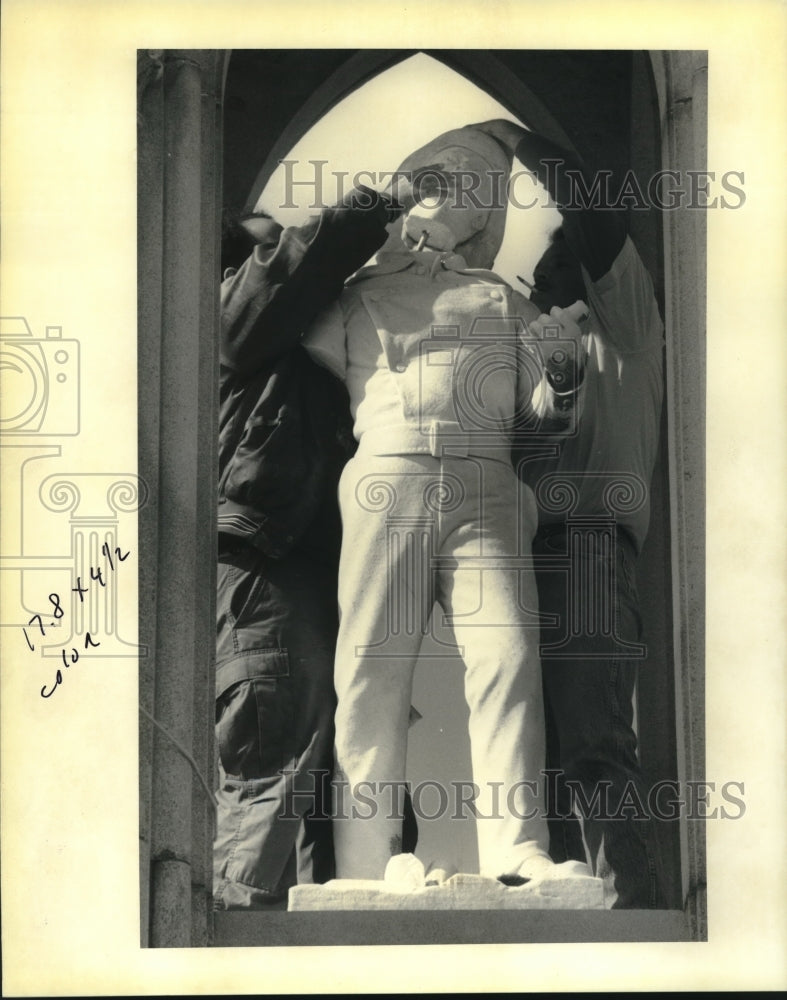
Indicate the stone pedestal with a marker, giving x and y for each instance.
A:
(461, 892)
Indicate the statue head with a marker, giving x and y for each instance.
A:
(462, 205)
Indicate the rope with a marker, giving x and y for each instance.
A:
(184, 752)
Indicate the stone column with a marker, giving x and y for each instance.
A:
(179, 116)
(681, 84)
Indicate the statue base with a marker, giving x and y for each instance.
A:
(460, 892)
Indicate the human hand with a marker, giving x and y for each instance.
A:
(560, 337)
(508, 133)
(362, 198)
(406, 188)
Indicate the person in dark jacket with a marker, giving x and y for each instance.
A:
(593, 494)
(284, 436)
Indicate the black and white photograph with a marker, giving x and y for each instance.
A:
(387, 538)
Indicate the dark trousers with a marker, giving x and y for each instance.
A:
(590, 651)
(275, 702)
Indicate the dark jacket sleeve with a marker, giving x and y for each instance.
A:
(269, 302)
(595, 234)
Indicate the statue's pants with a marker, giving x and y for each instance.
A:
(455, 530)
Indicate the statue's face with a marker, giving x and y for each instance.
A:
(454, 201)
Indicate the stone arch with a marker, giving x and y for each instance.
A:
(482, 69)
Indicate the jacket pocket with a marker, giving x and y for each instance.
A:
(254, 715)
(261, 439)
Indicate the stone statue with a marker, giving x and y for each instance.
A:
(433, 348)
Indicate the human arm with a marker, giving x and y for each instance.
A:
(595, 234)
(273, 297)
